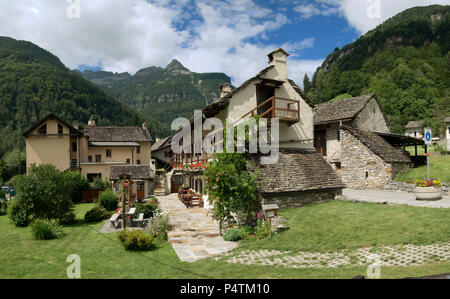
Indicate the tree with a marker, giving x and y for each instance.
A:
(233, 190)
(44, 193)
(306, 84)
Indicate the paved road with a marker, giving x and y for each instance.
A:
(394, 198)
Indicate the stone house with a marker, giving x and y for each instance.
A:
(414, 129)
(367, 160)
(447, 132)
(363, 117)
(271, 94)
(93, 151)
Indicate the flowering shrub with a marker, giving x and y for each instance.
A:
(427, 183)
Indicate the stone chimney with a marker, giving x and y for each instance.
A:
(225, 90)
(91, 122)
(144, 126)
(278, 58)
(76, 124)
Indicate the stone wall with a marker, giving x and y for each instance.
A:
(371, 118)
(300, 199)
(361, 168)
(406, 187)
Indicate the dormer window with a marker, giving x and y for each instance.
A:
(60, 129)
(43, 130)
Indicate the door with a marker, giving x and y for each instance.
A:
(263, 93)
(140, 190)
(320, 142)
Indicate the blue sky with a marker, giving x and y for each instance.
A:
(230, 36)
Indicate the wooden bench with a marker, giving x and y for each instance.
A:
(113, 219)
(140, 219)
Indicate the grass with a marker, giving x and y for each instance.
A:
(439, 168)
(321, 227)
(344, 225)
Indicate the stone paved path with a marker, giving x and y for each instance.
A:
(394, 198)
(398, 255)
(194, 235)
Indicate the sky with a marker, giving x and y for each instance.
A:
(231, 36)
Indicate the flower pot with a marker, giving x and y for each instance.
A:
(428, 193)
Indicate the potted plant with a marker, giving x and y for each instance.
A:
(428, 189)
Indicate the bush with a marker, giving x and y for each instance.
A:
(99, 184)
(45, 191)
(46, 229)
(108, 200)
(78, 183)
(233, 234)
(160, 227)
(148, 209)
(137, 240)
(68, 219)
(19, 212)
(2, 195)
(96, 214)
(262, 229)
(245, 232)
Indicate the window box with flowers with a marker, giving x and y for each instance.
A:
(428, 189)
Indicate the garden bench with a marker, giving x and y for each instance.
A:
(113, 219)
(140, 219)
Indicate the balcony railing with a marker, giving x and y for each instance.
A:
(286, 110)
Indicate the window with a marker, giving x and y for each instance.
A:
(138, 150)
(138, 162)
(74, 146)
(128, 161)
(98, 158)
(367, 174)
(60, 129)
(140, 186)
(449, 130)
(108, 153)
(338, 166)
(339, 134)
(90, 159)
(43, 130)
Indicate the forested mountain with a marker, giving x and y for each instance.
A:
(405, 61)
(162, 93)
(34, 83)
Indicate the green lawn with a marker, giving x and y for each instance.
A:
(439, 168)
(321, 227)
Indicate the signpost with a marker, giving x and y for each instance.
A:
(427, 138)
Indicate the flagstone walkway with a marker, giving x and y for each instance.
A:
(194, 235)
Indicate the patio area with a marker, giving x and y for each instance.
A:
(194, 235)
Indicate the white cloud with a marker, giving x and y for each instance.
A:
(126, 35)
(363, 15)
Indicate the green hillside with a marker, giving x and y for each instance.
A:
(405, 61)
(162, 93)
(34, 83)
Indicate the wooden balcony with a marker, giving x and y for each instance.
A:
(286, 110)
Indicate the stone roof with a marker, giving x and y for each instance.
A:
(141, 172)
(295, 172)
(162, 142)
(346, 109)
(447, 120)
(379, 145)
(415, 124)
(117, 134)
